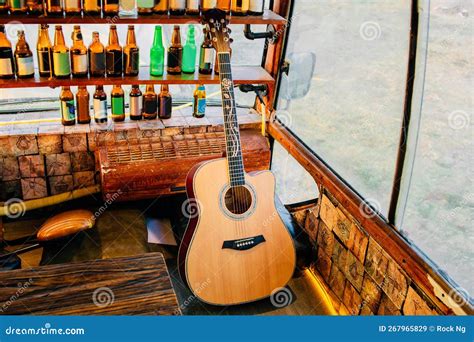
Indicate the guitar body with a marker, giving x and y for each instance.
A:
(234, 254)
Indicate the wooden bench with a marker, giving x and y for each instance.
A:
(137, 285)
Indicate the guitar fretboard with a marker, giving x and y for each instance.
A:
(231, 126)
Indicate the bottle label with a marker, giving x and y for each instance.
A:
(79, 63)
(43, 61)
(256, 6)
(177, 4)
(208, 55)
(146, 3)
(150, 106)
(200, 106)
(6, 67)
(100, 109)
(135, 105)
(174, 58)
(208, 4)
(114, 62)
(132, 64)
(118, 106)
(98, 62)
(25, 66)
(67, 110)
(61, 64)
(193, 5)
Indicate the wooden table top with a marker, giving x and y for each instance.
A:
(137, 285)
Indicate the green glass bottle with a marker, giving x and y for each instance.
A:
(189, 53)
(157, 54)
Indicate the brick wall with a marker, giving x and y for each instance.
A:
(360, 276)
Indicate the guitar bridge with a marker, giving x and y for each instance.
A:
(243, 244)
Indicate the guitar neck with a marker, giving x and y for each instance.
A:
(231, 126)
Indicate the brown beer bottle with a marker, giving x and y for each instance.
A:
(96, 56)
(161, 7)
(72, 7)
(68, 113)
(150, 103)
(23, 57)
(35, 6)
(7, 64)
(4, 5)
(61, 61)
(118, 104)
(131, 53)
(208, 5)
(113, 54)
(54, 8)
(82, 101)
(111, 7)
(240, 7)
(91, 7)
(165, 102)
(43, 49)
(100, 104)
(206, 54)
(136, 103)
(224, 5)
(175, 53)
(79, 62)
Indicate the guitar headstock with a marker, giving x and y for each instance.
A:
(216, 23)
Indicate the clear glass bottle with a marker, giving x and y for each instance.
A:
(165, 102)
(96, 56)
(128, 8)
(7, 64)
(68, 111)
(175, 53)
(61, 63)
(114, 54)
(79, 60)
(83, 106)
(118, 104)
(256, 7)
(100, 104)
(150, 103)
(157, 53)
(131, 54)
(135, 98)
(23, 57)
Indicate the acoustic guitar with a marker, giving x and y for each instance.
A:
(236, 248)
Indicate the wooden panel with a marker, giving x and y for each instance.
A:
(160, 167)
(268, 17)
(122, 286)
(241, 74)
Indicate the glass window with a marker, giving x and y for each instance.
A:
(345, 90)
(438, 213)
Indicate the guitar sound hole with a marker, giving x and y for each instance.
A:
(238, 200)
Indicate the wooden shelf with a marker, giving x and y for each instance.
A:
(268, 17)
(241, 75)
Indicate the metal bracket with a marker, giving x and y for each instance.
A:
(269, 35)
